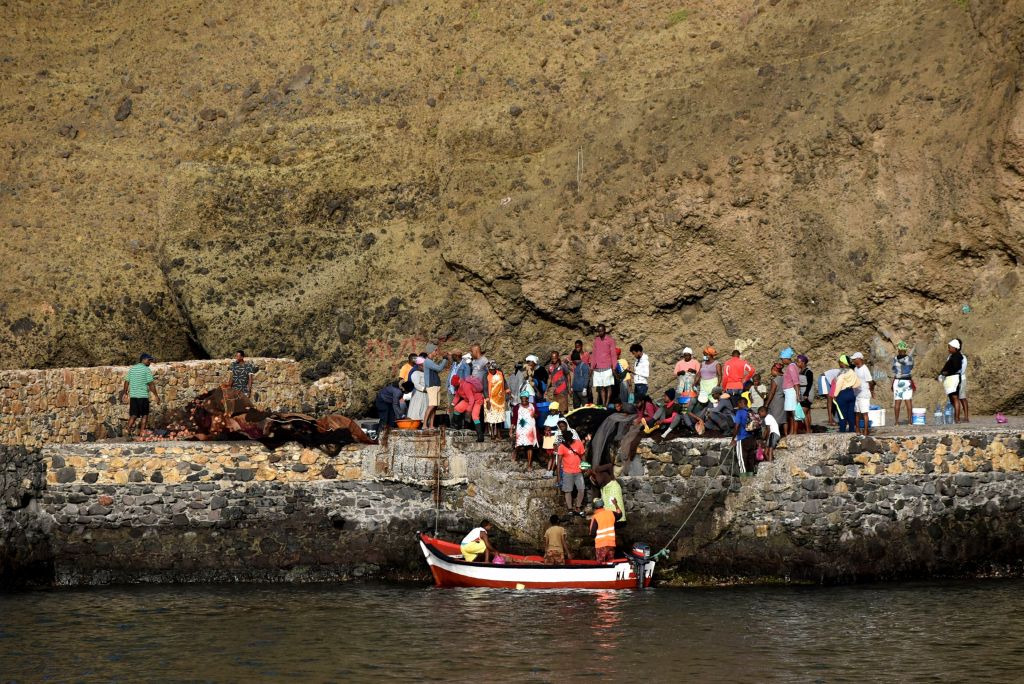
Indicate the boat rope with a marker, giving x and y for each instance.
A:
(439, 444)
(731, 459)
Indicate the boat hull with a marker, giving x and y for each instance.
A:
(454, 572)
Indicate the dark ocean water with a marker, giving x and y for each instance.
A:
(919, 632)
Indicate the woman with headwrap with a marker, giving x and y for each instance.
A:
(525, 429)
(710, 372)
(903, 382)
(418, 401)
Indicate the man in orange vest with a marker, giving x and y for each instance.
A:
(602, 529)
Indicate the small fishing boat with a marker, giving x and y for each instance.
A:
(529, 572)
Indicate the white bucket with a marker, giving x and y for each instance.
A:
(919, 416)
(876, 418)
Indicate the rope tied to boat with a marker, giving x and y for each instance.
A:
(731, 459)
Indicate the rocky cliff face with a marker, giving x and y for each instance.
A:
(346, 183)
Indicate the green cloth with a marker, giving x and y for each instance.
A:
(613, 490)
(138, 379)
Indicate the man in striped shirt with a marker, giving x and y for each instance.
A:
(138, 386)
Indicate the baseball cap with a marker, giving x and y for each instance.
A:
(147, 356)
(687, 350)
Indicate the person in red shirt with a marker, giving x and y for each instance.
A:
(603, 360)
(735, 372)
(469, 399)
(570, 455)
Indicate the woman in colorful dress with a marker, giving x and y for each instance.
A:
(525, 429)
(495, 400)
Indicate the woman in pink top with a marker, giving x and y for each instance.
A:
(710, 371)
(790, 385)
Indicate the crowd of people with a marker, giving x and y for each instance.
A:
(711, 395)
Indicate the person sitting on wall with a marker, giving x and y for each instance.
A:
(477, 543)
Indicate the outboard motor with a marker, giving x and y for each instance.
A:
(639, 556)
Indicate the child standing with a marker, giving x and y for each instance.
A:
(772, 435)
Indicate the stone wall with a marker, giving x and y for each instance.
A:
(67, 405)
(214, 511)
(830, 508)
(24, 548)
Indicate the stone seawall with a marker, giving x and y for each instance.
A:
(830, 508)
(67, 405)
(220, 511)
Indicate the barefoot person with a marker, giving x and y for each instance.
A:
(603, 360)
(949, 376)
(478, 543)
(867, 389)
(903, 382)
(965, 410)
(602, 529)
(524, 432)
(556, 544)
(139, 385)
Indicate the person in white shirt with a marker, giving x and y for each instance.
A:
(772, 434)
(867, 386)
(641, 372)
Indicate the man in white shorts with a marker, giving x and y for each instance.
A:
(603, 359)
(867, 386)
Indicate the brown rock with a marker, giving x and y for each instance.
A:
(124, 110)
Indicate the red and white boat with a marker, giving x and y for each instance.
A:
(530, 572)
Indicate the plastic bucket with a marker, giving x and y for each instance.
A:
(919, 416)
(542, 413)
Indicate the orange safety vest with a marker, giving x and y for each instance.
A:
(605, 520)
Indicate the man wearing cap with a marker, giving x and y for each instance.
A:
(602, 529)
(867, 387)
(611, 491)
(735, 373)
(139, 384)
(949, 376)
(686, 375)
(790, 387)
(903, 382)
(603, 360)
(242, 372)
